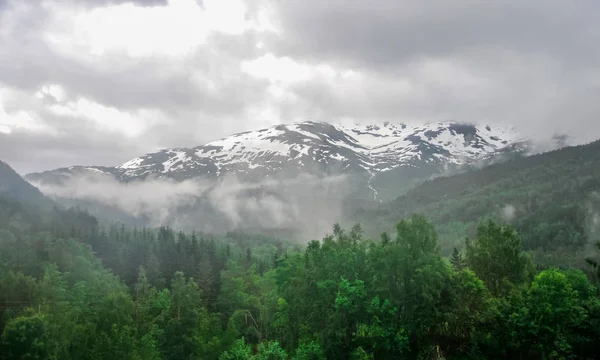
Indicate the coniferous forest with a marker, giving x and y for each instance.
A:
(299, 180)
(71, 288)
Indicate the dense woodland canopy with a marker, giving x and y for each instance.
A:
(524, 286)
(72, 289)
(552, 200)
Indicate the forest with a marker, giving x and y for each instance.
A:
(552, 199)
(72, 288)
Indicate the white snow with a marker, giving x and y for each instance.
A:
(377, 147)
(179, 158)
(131, 164)
(95, 170)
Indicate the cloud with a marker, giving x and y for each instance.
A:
(153, 198)
(529, 64)
(213, 206)
(508, 212)
(381, 36)
(96, 3)
(121, 78)
(149, 75)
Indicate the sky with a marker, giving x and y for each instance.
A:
(98, 82)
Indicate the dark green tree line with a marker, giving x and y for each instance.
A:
(71, 288)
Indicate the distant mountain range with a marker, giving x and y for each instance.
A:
(279, 172)
(402, 154)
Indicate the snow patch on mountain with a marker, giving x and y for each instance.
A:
(374, 148)
(370, 149)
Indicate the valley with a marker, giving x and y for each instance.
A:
(530, 216)
(299, 180)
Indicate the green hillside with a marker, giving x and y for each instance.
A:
(71, 288)
(550, 198)
(13, 186)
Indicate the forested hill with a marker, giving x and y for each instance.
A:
(73, 289)
(345, 297)
(550, 198)
(13, 186)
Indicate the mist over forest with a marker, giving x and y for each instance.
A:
(299, 180)
(212, 206)
(525, 279)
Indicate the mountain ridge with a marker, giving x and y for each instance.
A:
(14, 186)
(551, 198)
(262, 178)
(315, 147)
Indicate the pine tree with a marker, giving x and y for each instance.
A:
(595, 265)
(248, 259)
(153, 272)
(385, 238)
(205, 279)
(275, 260)
(457, 259)
(142, 285)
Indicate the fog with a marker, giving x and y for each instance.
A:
(307, 205)
(508, 212)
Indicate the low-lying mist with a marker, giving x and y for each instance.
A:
(306, 205)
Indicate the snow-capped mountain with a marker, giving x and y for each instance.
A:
(401, 153)
(324, 146)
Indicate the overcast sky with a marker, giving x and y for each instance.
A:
(101, 81)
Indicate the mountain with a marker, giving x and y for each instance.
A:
(403, 154)
(553, 200)
(13, 186)
(261, 179)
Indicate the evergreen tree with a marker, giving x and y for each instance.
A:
(456, 259)
(595, 265)
(342, 297)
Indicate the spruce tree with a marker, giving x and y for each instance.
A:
(457, 259)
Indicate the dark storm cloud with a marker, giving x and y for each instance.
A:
(28, 62)
(203, 96)
(65, 141)
(96, 3)
(532, 64)
(130, 83)
(29, 152)
(382, 34)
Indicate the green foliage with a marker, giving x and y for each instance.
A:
(74, 290)
(25, 337)
(457, 260)
(552, 315)
(270, 350)
(550, 199)
(594, 263)
(497, 258)
(309, 351)
(239, 351)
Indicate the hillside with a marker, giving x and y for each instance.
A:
(13, 186)
(551, 198)
(71, 288)
(69, 283)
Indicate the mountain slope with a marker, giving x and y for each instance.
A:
(552, 199)
(387, 158)
(261, 179)
(13, 186)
